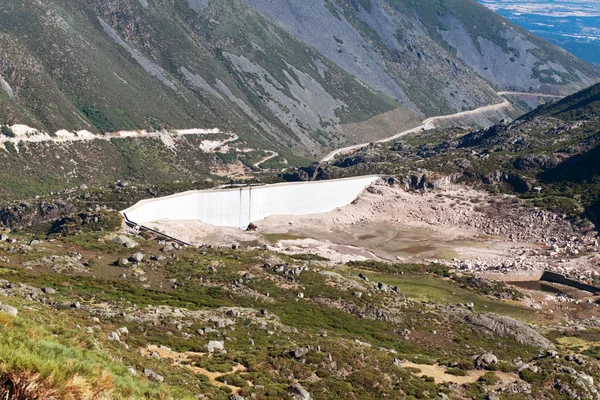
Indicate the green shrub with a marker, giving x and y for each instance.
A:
(529, 376)
(466, 364)
(234, 380)
(490, 378)
(6, 131)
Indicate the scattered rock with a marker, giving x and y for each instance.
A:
(300, 352)
(486, 360)
(297, 392)
(5, 308)
(153, 376)
(114, 336)
(125, 241)
(502, 325)
(518, 387)
(382, 286)
(48, 290)
(215, 345)
(137, 257)
(167, 247)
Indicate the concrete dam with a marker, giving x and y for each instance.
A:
(239, 207)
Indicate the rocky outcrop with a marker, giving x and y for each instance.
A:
(501, 325)
(297, 392)
(24, 214)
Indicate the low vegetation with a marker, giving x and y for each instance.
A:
(62, 344)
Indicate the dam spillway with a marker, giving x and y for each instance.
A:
(238, 207)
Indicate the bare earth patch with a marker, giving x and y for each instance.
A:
(179, 358)
(452, 225)
(438, 372)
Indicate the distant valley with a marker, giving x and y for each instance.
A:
(573, 25)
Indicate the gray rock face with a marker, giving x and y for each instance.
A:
(137, 257)
(300, 352)
(356, 55)
(168, 247)
(125, 241)
(486, 360)
(5, 308)
(153, 376)
(198, 5)
(518, 387)
(501, 325)
(215, 345)
(297, 392)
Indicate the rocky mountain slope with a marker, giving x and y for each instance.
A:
(549, 156)
(112, 315)
(300, 76)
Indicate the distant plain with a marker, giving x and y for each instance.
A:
(573, 24)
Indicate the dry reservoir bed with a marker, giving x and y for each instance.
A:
(466, 228)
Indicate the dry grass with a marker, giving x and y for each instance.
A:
(27, 385)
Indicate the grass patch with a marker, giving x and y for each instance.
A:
(436, 290)
(37, 363)
(277, 237)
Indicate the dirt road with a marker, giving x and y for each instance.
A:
(429, 123)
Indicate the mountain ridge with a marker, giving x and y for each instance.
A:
(111, 65)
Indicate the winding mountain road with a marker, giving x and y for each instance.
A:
(426, 125)
(272, 154)
(525, 94)
(429, 122)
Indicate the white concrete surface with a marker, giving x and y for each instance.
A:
(240, 206)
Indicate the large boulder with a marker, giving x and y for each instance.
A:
(137, 257)
(215, 345)
(125, 241)
(500, 325)
(486, 360)
(297, 392)
(153, 376)
(5, 308)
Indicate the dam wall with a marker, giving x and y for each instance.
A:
(515, 276)
(240, 206)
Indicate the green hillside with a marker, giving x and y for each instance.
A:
(298, 76)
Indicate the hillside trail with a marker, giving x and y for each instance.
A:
(525, 94)
(272, 154)
(429, 123)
